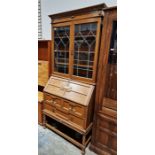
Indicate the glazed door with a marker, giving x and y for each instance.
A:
(61, 49)
(85, 49)
(75, 49)
(110, 93)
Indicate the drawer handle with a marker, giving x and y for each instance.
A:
(54, 102)
(49, 101)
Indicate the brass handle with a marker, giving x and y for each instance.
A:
(54, 102)
(49, 101)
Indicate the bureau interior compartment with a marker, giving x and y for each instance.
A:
(64, 129)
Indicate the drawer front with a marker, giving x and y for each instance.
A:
(73, 108)
(52, 100)
(77, 121)
(66, 106)
(57, 102)
(47, 107)
(62, 115)
(47, 97)
(78, 111)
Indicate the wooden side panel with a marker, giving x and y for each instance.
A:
(43, 50)
(40, 108)
(40, 117)
(110, 103)
(104, 137)
(111, 81)
(42, 72)
(90, 109)
(44, 53)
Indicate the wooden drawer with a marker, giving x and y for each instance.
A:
(77, 121)
(49, 107)
(52, 100)
(73, 108)
(66, 106)
(62, 115)
(78, 110)
(57, 102)
(48, 97)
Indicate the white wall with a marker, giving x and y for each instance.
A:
(55, 6)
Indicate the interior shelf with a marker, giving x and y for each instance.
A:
(87, 66)
(61, 63)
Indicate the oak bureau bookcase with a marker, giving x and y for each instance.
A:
(69, 93)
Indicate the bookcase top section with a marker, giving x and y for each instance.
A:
(71, 90)
(79, 11)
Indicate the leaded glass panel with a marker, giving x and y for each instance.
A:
(61, 49)
(84, 49)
